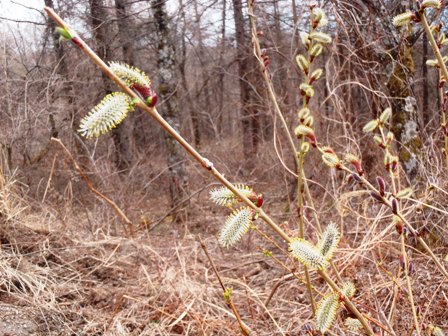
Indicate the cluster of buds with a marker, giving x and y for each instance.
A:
(313, 42)
(403, 265)
(240, 220)
(384, 139)
(266, 59)
(114, 108)
(391, 163)
(405, 18)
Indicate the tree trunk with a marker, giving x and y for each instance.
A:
(404, 112)
(101, 33)
(170, 108)
(425, 99)
(222, 50)
(123, 134)
(248, 118)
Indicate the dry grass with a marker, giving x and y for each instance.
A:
(74, 274)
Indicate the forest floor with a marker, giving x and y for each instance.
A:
(73, 270)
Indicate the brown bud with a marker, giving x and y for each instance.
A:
(376, 196)
(381, 185)
(402, 264)
(394, 204)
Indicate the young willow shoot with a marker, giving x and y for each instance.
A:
(114, 107)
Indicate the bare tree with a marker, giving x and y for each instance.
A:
(249, 122)
(123, 134)
(168, 95)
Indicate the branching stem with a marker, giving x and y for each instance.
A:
(206, 164)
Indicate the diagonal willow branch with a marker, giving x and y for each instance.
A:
(206, 164)
(388, 203)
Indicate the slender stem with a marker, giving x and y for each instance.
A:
(298, 160)
(229, 300)
(206, 164)
(401, 216)
(443, 99)
(408, 281)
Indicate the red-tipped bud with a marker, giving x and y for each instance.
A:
(306, 131)
(356, 162)
(260, 200)
(445, 129)
(327, 149)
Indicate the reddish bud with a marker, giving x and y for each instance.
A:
(381, 185)
(260, 200)
(399, 227)
(402, 265)
(394, 204)
(266, 61)
(416, 17)
(76, 40)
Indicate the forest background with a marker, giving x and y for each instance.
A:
(71, 266)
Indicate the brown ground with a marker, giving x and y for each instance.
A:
(67, 269)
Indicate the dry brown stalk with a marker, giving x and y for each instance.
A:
(89, 184)
(229, 298)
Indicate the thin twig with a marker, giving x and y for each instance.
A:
(229, 298)
(89, 184)
(206, 164)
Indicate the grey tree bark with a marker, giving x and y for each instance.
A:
(168, 95)
(123, 134)
(249, 120)
(101, 34)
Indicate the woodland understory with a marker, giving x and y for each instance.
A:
(119, 234)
